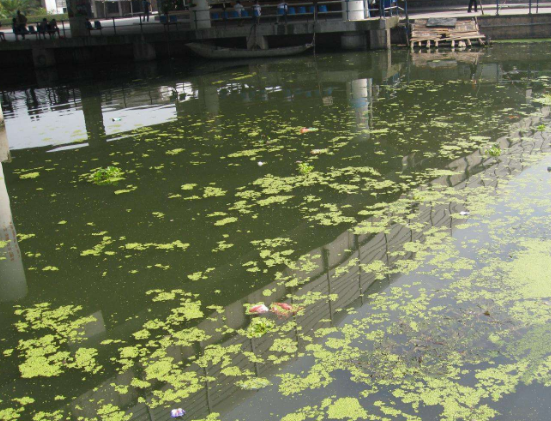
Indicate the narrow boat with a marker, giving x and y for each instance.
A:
(221, 53)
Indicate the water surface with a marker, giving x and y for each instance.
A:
(394, 244)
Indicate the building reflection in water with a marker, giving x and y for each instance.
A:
(13, 284)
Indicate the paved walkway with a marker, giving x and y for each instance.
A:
(127, 26)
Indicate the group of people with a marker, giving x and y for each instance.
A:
(19, 27)
(257, 11)
(49, 28)
(282, 10)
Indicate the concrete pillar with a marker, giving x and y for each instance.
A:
(13, 283)
(42, 57)
(78, 12)
(354, 41)
(200, 15)
(379, 39)
(144, 51)
(354, 10)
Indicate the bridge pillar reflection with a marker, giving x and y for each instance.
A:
(13, 284)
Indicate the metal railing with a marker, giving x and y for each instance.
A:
(184, 19)
(299, 11)
(528, 6)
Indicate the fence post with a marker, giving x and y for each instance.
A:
(195, 17)
(114, 27)
(141, 26)
(537, 6)
(406, 12)
(497, 7)
(529, 7)
(63, 26)
(347, 17)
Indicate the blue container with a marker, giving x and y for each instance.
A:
(323, 8)
(234, 14)
(292, 11)
(312, 9)
(215, 16)
(244, 14)
(301, 10)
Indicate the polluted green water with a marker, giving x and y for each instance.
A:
(359, 236)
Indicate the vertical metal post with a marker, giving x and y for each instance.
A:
(537, 6)
(529, 7)
(195, 18)
(497, 7)
(114, 27)
(141, 26)
(63, 26)
(347, 16)
(407, 14)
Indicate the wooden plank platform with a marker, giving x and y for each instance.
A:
(463, 33)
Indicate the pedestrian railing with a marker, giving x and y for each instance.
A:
(185, 19)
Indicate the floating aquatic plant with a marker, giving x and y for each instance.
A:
(254, 383)
(305, 168)
(259, 327)
(108, 175)
(494, 151)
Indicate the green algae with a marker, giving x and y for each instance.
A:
(103, 176)
(29, 175)
(157, 246)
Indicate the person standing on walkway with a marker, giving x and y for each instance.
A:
(238, 8)
(22, 23)
(282, 9)
(257, 11)
(471, 2)
(146, 9)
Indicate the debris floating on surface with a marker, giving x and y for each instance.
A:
(258, 309)
(177, 413)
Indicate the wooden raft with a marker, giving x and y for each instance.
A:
(463, 33)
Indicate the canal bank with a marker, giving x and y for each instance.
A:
(372, 33)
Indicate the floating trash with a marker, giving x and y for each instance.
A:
(258, 309)
(284, 309)
(464, 213)
(308, 130)
(260, 163)
(116, 119)
(548, 169)
(177, 413)
(319, 151)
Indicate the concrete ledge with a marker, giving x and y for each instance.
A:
(515, 26)
(267, 29)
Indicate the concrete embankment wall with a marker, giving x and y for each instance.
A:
(516, 26)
